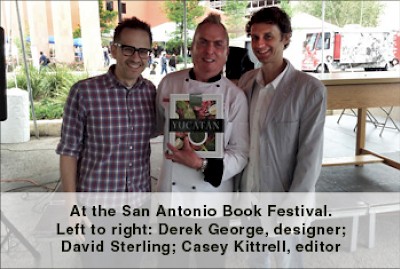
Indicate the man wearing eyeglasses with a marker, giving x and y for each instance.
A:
(109, 119)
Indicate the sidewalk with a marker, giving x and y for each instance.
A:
(35, 162)
(34, 165)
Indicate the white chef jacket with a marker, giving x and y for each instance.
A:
(177, 177)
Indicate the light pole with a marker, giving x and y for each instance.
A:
(119, 11)
(184, 34)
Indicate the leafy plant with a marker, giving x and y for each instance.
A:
(235, 11)
(174, 11)
(50, 88)
(107, 18)
(175, 45)
(77, 32)
(57, 80)
(48, 109)
(20, 81)
(365, 13)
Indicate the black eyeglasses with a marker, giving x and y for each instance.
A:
(129, 50)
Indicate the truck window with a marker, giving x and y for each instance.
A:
(327, 41)
(310, 41)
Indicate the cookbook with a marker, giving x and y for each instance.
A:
(199, 117)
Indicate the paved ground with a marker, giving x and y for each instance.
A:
(27, 165)
(33, 166)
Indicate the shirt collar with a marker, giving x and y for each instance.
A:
(275, 82)
(213, 79)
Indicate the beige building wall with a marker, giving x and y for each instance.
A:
(149, 11)
(75, 14)
(62, 26)
(50, 29)
(91, 36)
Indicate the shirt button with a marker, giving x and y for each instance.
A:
(130, 164)
(132, 128)
(131, 147)
(130, 110)
(173, 183)
(187, 80)
(218, 85)
(193, 187)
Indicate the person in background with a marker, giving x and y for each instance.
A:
(156, 51)
(164, 64)
(78, 54)
(150, 60)
(287, 116)
(109, 119)
(43, 60)
(172, 62)
(106, 56)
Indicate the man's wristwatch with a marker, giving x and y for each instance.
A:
(203, 165)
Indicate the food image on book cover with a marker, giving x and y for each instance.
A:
(200, 118)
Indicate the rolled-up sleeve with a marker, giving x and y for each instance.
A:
(72, 131)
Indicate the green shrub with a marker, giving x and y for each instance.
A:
(188, 59)
(48, 109)
(50, 88)
(48, 82)
(57, 80)
(20, 81)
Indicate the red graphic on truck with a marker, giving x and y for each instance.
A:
(369, 49)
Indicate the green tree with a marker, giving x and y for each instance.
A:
(107, 18)
(77, 32)
(365, 13)
(174, 11)
(235, 10)
(285, 5)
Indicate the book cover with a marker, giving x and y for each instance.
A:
(200, 118)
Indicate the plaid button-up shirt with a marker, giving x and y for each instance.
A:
(108, 128)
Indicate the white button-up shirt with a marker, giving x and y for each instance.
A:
(262, 96)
